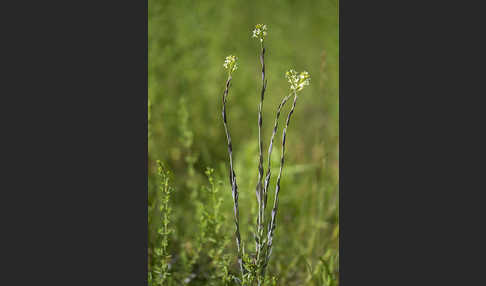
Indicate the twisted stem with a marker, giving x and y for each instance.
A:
(232, 177)
(268, 176)
(272, 224)
(259, 187)
(270, 147)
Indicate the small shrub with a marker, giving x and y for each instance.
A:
(159, 274)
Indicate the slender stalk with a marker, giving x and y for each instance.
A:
(267, 179)
(259, 187)
(232, 177)
(272, 224)
(270, 147)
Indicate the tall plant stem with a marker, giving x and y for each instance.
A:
(272, 224)
(268, 176)
(259, 187)
(270, 147)
(232, 178)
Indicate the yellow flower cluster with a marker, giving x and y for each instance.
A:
(297, 81)
(260, 31)
(230, 63)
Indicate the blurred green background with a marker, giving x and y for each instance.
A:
(188, 42)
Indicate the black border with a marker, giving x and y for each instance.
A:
(76, 160)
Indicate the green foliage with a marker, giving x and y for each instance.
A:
(325, 272)
(216, 238)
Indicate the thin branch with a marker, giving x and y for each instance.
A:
(259, 187)
(232, 178)
(272, 224)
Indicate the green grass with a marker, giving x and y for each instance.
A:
(188, 41)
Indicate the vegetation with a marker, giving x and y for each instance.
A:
(191, 210)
